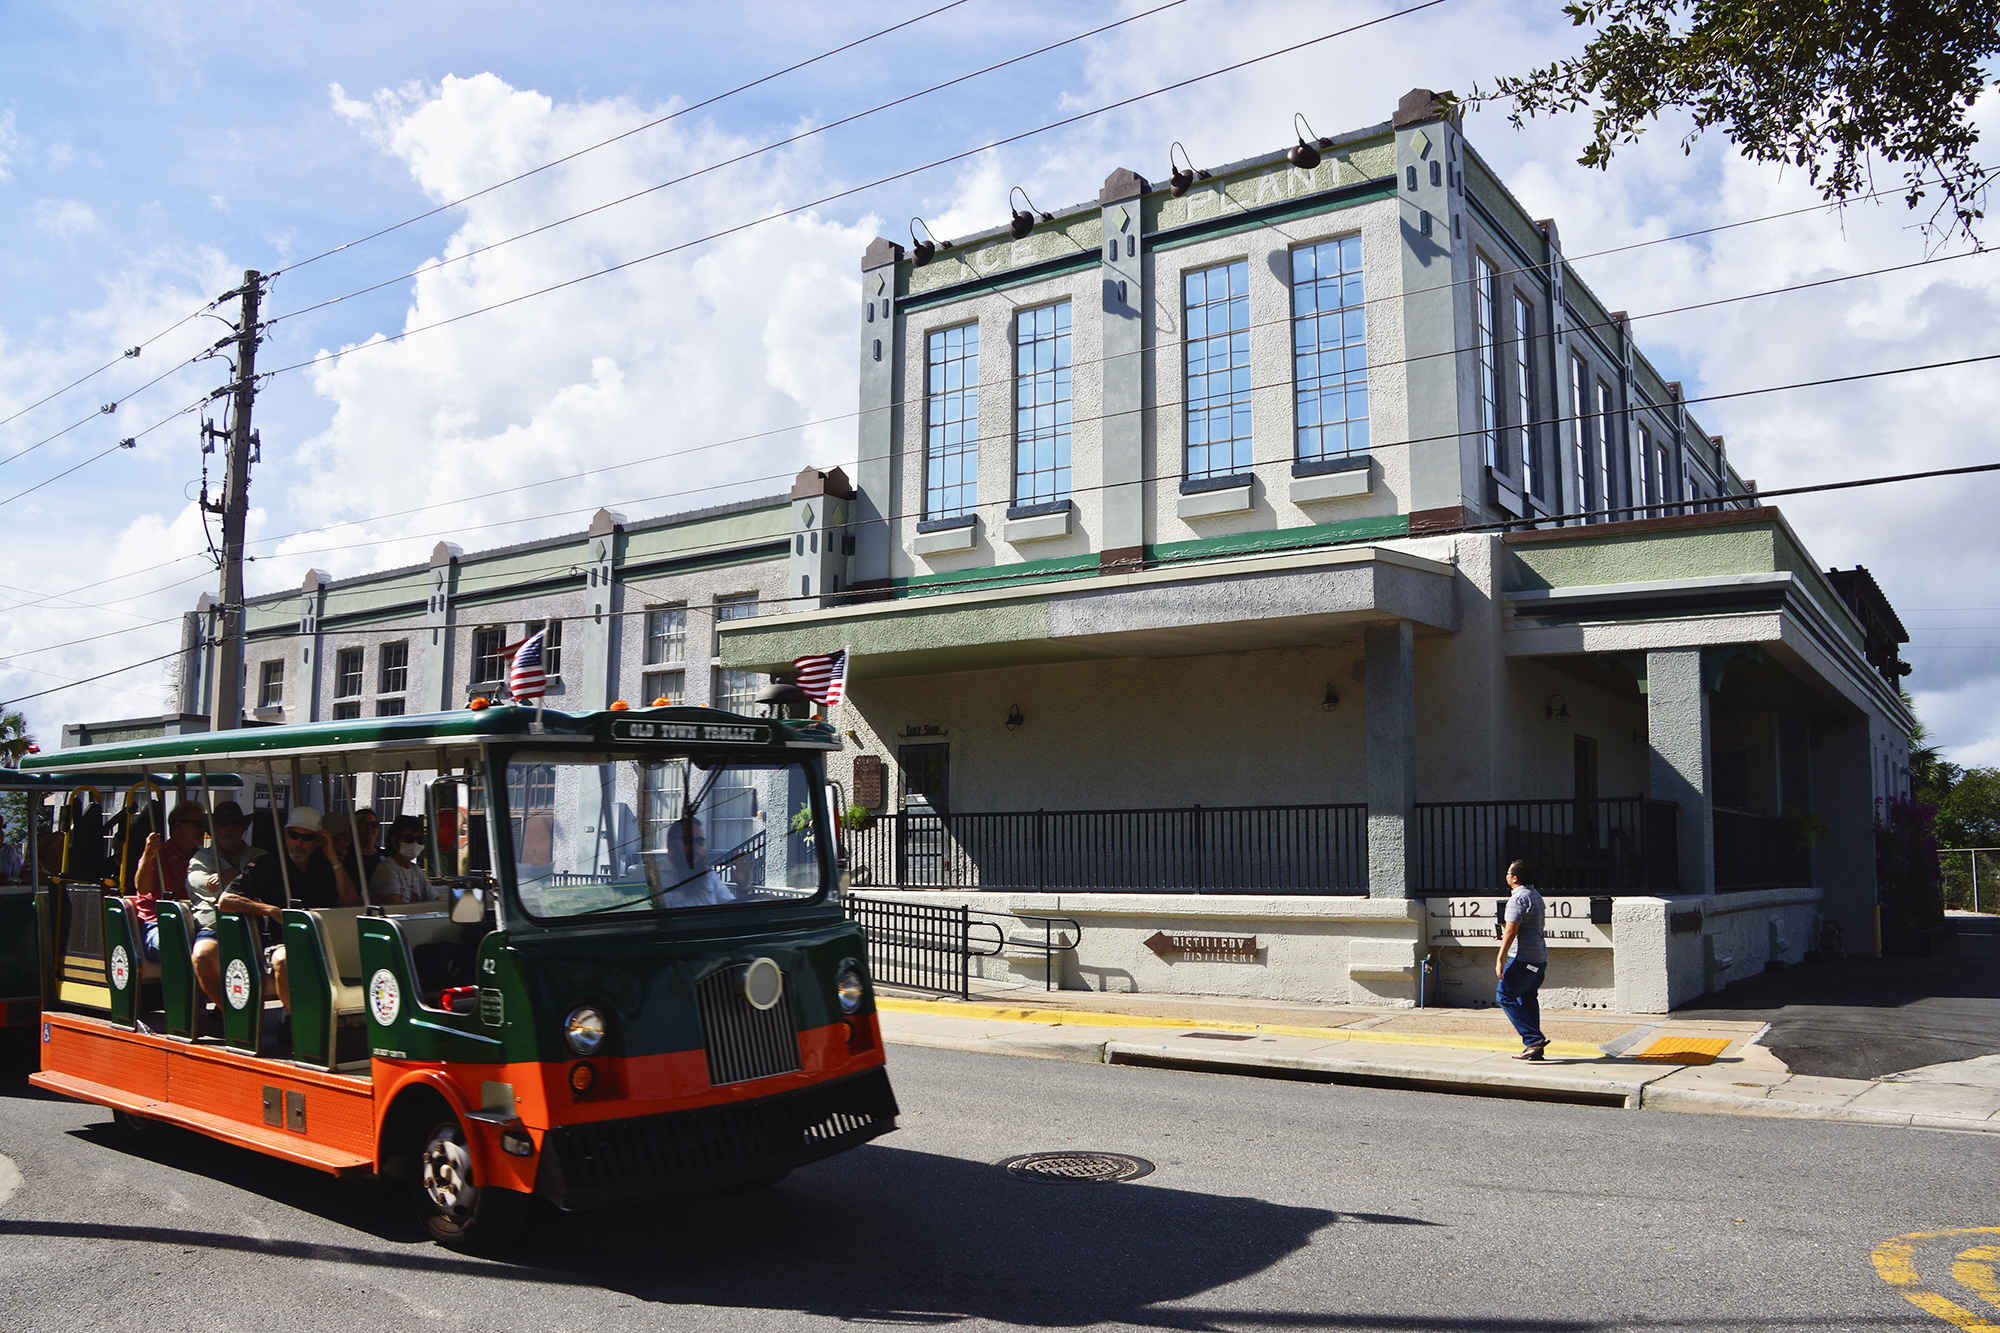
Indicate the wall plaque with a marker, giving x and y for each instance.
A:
(868, 781)
(1204, 948)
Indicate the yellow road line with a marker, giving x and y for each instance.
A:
(1974, 1271)
(1893, 1263)
(1573, 1050)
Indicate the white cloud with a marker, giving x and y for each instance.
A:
(64, 218)
(10, 142)
(725, 340)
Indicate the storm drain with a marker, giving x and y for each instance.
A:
(1076, 1168)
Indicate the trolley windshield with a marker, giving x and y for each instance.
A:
(593, 838)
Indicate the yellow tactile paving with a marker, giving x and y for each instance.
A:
(1685, 1050)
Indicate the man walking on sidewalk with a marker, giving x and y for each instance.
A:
(1523, 961)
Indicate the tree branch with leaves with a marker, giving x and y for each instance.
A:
(1832, 86)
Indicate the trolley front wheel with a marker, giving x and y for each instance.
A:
(458, 1211)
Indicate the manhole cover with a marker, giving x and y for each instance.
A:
(1072, 1168)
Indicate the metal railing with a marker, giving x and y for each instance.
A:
(925, 947)
(1192, 849)
(1618, 844)
(1758, 852)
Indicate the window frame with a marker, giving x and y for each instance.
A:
(657, 637)
(1314, 389)
(271, 683)
(1485, 336)
(1235, 405)
(1524, 392)
(1032, 379)
(348, 684)
(481, 635)
(951, 422)
(551, 645)
(400, 651)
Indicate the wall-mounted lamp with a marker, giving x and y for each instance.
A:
(1014, 718)
(1305, 156)
(925, 250)
(1023, 220)
(1181, 179)
(1332, 700)
(1557, 706)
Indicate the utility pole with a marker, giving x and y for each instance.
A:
(228, 714)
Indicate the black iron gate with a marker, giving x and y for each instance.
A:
(920, 945)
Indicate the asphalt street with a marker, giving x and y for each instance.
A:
(1866, 1017)
(1274, 1205)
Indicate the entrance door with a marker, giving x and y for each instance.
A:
(926, 798)
(1586, 792)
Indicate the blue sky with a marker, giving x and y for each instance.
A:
(148, 156)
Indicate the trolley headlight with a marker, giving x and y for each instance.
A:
(584, 1030)
(850, 990)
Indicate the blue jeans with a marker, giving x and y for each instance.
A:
(149, 940)
(1517, 996)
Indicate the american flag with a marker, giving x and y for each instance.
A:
(526, 679)
(823, 678)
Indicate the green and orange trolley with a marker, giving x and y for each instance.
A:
(631, 978)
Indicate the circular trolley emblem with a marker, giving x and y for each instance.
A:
(385, 997)
(236, 983)
(121, 966)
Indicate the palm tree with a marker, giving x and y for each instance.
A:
(14, 739)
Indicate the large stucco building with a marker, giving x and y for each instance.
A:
(1315, 526)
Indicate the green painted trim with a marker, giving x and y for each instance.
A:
(1067, 568)
(1015, 277)
(1061, 568)
(1332, 201)
(1278, 539)
(666, 564)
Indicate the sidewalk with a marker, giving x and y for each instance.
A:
(1595, 1058)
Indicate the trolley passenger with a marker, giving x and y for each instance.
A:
(162, 871)
(399, 879)
(210, 873)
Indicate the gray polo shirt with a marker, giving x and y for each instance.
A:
(1529, 943)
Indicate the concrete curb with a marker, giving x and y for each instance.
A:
(1657, 1098)
(1627, 1092)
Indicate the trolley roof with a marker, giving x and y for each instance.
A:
(449, 738)
(14, 780)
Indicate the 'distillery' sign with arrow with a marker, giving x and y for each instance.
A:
(1204, 948)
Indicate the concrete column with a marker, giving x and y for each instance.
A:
(1392, 757)
(876, 435)
(1446, 464)
(822, 537)
(434, 687)
(1677, 739)
(312, 597)
(1123, 456)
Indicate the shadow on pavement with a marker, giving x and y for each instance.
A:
(881, 1234)
(1866, 1017)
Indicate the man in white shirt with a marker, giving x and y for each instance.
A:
(690, 880)
(210, 871)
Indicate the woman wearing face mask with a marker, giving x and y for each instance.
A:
(399, 879)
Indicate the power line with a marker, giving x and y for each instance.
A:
(637, 129)
(130, 352)
(727, 162)
(115, 671)
(858, 189)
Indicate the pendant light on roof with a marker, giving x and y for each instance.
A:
(1181, 179)
(925, 250)
(1023, 220)
(1305, 156)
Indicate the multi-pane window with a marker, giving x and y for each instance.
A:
(489, 654)
(388, 799)
(666, 635)
(663, 798)
(531, 810)
(1330, 350)
(951, 452)
(1041, 405)
(339, 792)
(1604, 429)
(1524, 391)
(271, 684)
(1218, 370)
(735, 691)
(1488, 364)
(668, 685)
(737, 606)
(1665, 478)
(347, 673)
(1579, 430)
(388, 708)
(394, 668)
(1644, 468)
(551, 631)
(345, 709)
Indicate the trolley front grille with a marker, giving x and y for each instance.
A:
(742, 1041)
(615, 1161)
